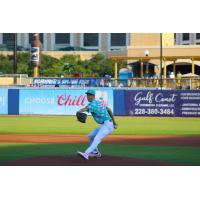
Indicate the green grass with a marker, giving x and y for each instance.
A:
(69, 125)
(177, 155)
(15, 151)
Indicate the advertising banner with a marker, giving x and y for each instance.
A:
(189, 105)
(82, 82)
(4, 101)
(35, 51)
(162, 103)
(58, 101)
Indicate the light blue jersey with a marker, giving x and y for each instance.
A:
(98, 111)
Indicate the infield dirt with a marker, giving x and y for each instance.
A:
(112, 139)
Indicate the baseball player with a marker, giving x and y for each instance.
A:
(102, 115)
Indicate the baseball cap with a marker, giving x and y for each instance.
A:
(92, 92)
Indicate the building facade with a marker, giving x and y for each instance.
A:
(187, 38)
(86, 41)
(180, 50)
(89, 41)
(101, 41)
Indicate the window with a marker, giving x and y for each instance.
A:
(62, 38)
(31, 37)
(90, 39)
(186, 36)
(8, 38)
(118, 39)
(198, 43)
(197, 36)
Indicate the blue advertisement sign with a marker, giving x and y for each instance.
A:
(82, 82)
(162, 103)
(4, 101)
(58, 101)
(189, 103)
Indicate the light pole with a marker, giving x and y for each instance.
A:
(15, 54)
(15, 57)
(146, 53)
(161, 58)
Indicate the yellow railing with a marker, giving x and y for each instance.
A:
(183, 83)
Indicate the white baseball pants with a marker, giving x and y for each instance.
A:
(96, 136)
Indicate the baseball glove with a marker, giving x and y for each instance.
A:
(81, 117)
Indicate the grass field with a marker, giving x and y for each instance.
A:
(69, 125)
(181, 155)
(178, 155)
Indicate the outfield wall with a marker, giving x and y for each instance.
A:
(172, 103)
(58, 101)
(123, 102)
(3, 101)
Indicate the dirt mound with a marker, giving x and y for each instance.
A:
(77, 161)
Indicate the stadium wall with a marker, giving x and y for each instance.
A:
(123, 102)
(3, 101)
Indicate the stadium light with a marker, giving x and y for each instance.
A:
(161, 57)
(146, 53)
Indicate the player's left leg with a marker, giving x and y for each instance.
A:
(104, 130)
(92, 134)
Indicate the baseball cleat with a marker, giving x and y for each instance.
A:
(95, 154)
(83, 155)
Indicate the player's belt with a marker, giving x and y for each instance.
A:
(108, 120)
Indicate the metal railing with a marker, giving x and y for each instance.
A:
(137, 83)
(183, 83)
